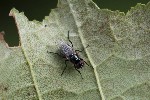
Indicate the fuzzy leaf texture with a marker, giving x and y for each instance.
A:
(118, 55)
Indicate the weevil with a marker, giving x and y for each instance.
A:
(67, 51)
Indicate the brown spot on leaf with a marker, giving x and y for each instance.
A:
(3, 87)
(28, 94)
(2, 35)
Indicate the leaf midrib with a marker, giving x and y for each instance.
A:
(95, 71)
(32, 75)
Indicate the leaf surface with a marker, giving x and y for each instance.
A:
(118, 54)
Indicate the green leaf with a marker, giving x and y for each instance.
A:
(118, 55)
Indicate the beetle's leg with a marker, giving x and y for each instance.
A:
(82, 49)
(78, 51)
(86, 63)
(79, 72)
(56, 53)
(70, 40)
(65, 66)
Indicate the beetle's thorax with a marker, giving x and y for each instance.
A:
(74, 58)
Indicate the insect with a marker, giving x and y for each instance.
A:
(71, 55)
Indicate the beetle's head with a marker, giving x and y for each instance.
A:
(80, 64)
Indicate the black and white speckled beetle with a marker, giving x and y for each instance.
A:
(71, 55)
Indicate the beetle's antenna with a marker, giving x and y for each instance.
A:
(87, 46)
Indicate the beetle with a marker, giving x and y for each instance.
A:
(67, 51)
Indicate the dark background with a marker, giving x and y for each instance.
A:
(38, 9)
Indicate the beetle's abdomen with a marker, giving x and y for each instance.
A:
(66, 50)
